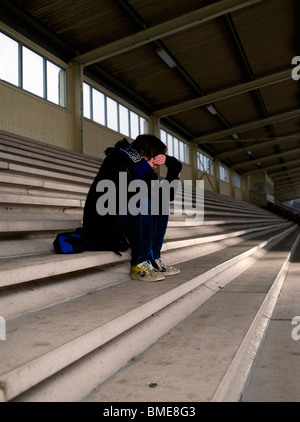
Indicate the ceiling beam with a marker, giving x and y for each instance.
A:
(283, 175)
(225, 93)
(164, 29)
(269, 142)
(288, 195)
(288, 188)
(291, 183)
(267, 169)
(247, 126)
(263, 159)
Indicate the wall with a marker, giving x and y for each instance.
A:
(97, 138)
(24, 114)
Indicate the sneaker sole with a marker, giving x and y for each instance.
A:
(167, 274)
(139, 278)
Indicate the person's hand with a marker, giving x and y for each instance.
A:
(159, 160)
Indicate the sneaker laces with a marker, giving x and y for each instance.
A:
(161, 264)
(147, 266)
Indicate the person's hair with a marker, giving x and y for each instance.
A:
(146, 145)
(149, 146)
(123, 143)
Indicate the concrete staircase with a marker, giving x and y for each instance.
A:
(75, 323)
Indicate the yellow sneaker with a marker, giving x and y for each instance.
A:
(145, 272)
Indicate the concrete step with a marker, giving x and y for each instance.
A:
(33, 200)
(27, 235)
(67, 314)
(26, 144)
(42, 173)
(90, 272)
(38, 164)
(13, 223)
(21, 269)
(277, 359)
(11, 180)
(22, 154)
(208, 356)
(108, 328)
(177, 231)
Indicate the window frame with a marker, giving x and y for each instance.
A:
(23, 46)
(140, 127)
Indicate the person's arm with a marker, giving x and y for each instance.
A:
(174, 168)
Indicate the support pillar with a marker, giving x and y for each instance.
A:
(193, 161)
(231, 180)
(154, 126)
(76, 106)
(245, 186)
(217, 174)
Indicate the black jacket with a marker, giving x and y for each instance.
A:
(99, 230)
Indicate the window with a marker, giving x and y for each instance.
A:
(98, 106)
(134, 125)
(186, 153)
(143, 125)
(224, 174)
(86, 101)
(55, 84)
(124, 120)
(31, 71)
(257, 187)
(110, 113)
(237, 181)
(9, 60)
(170, 144)
(176, 148)
(205, 164)
(181, 149)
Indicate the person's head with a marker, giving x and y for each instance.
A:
(149, 146)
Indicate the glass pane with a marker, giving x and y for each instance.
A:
(163, 136)
(211, 168)
(176, 148)
(124, 120)
(86, 101)
(112, 114)
(205, 164)
(134, 125)
(237, 181)
(181, 151)
(98, 106)
(221, 173)
(55, 84)
(198, 161)
(170, 144)
(9, 60)
(143, 126)
(187, 153)
(33, 72)
(224, 174)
